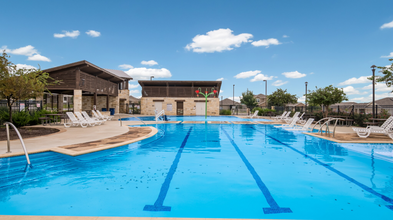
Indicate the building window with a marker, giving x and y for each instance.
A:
(257, 100)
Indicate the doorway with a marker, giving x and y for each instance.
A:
(179, 108)
(200, 108)
(158, 106)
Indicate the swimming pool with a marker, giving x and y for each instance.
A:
(208, 171)
(195, 118)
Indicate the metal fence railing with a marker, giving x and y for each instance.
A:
(25, 105)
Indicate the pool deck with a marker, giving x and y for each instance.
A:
(76, 140)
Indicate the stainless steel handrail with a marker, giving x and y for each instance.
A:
(20, 138)
(327, 121)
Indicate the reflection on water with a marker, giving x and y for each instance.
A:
(380, 151)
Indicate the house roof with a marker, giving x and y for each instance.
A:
(384, 101)
(89, 68)
(120, 73)
(228, 102)
(295, 104)
(260, 96)
(134, 100)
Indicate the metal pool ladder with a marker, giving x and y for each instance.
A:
(326, 121)
(20, 138)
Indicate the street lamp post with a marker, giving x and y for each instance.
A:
(306, 96)
(373, 69)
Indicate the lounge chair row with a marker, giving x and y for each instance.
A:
(83, 119)
(386, 128)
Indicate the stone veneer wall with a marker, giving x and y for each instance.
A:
(77, 100)
(189, 106)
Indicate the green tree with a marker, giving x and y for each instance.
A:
(387, 75)
(325, 97)
(248, 99)
(281, 97)
(20, 84)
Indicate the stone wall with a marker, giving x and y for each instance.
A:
(77, 100)
(189, 105)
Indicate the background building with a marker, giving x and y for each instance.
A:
(179, 97)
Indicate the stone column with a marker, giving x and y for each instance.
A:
(77, 100)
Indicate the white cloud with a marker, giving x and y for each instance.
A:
(388, 56)
(73, 34)
(38, 57)
(294, 75)
(93, 33)
(261, 77)
(144, 73)
(125, 66)
(369, 98)
(350, 90)
(266, 43)
(285, 36)
(279, 83)
(134, 91)
(247, 74)
(387, 25)
(149, 63)
(133, 86)
(379, 87)
(311, 73)
(301, 99)
(28, 51)
(221, 91)
(24, 66)
(220, 79)
(217, 41)
(354, 80)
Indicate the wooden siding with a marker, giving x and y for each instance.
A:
(67, 77)
(173, 91)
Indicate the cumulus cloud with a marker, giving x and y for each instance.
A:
(144, 73)
(220, 79)
(387, 25)
(24, 66)
(266, 43)
(38, 57)
(149, 63)
(247, 74)
(73, 34)
(379, 87)
(354, 80)
(285, 36)
(261, 77)
(93, 33)
(125, 66)
(133, 86)
(217, 41)
(368, 98)
(294, 75)
(28, 51)
(134, 91)
(279, 83)
(301, 99)
(350, 90)
(388, 56)
(237, 98)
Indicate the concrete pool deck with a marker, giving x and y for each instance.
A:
(102, 137)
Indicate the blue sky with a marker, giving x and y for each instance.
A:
(243, 42)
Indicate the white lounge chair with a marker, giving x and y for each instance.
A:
(305, 127)
(291, 125)
(286, 116)
(81, 118)
(301, 120)
(91, 120)
(255, 114)
(280, 116)
(288, 120)
(74, 121)
(104, 116)
(386, 128)
(97, 116)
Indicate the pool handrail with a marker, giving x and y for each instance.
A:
(326, 122)
(162, 112)
(20, 138)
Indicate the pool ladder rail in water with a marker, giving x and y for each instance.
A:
(7, 128)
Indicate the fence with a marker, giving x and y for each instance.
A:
(25, 105)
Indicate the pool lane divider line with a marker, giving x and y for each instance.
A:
(274, 207)
(327, 166)
(158, 205)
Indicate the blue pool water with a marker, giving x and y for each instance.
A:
(208, 171)
(195, 118)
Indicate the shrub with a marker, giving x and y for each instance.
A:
(225, 112)
(21, 118)
(384, 114)
(359, 119)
